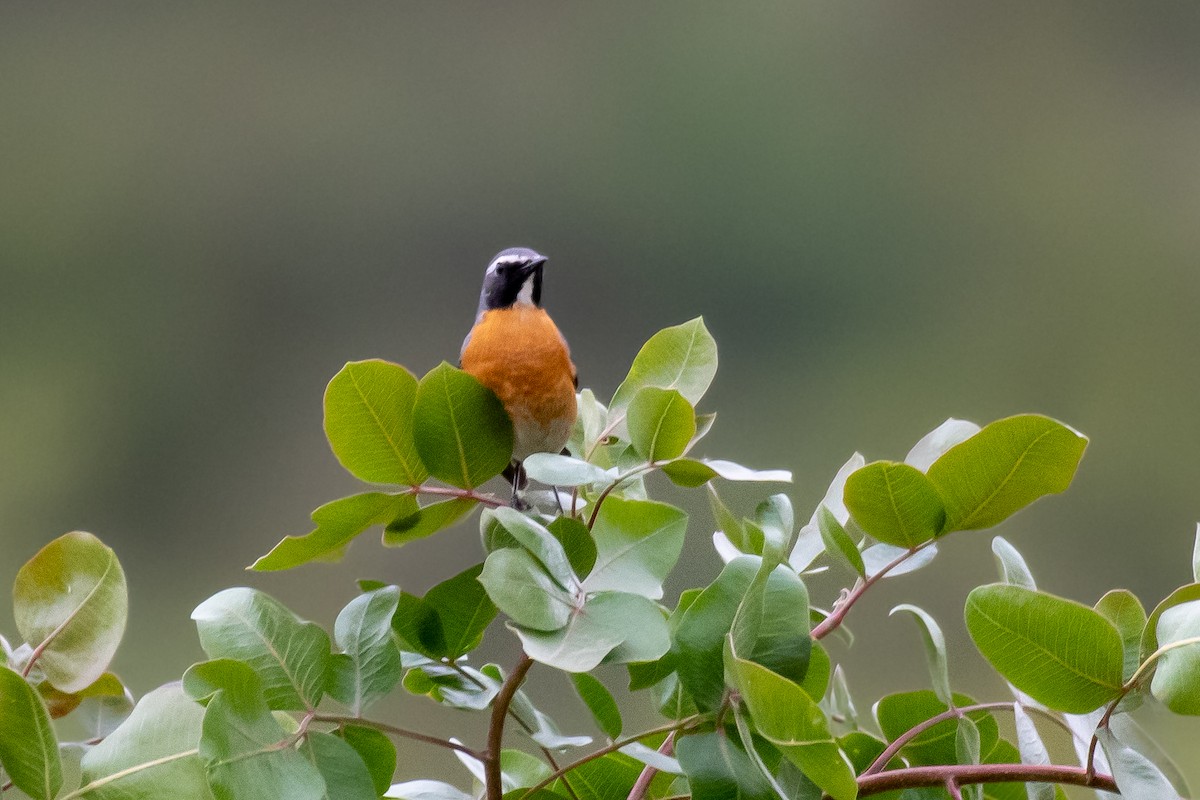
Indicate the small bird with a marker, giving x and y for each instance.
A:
(517, 351)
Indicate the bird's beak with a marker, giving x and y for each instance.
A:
(534, 266)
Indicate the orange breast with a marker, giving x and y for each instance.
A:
(520, 355)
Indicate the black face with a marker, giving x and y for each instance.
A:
(508, 275)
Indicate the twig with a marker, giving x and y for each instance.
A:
(830, 623)
(464, 494)
(952, 788)
(642, 784)
(491, 761)
(917, 777)
(617, 481)
(402, 733)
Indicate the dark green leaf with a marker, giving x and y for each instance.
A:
(1005, 467)
(862, 749)
(1122, 608)
(290, 656)
(637, 544)
(577, 542)
(719, 769)
(70, 602)
(610, 778)
(895, 503)
(376, 750)
(419, 627)
(520, 587)
(816, 677)
(464, 609)
(28, 749)
(462, 432)
(425, 521)
(661, 423)
(600, 702)
(534, 537)
(837, 542)
(682, 357)
(346, 776)
(700, 638)
(369, 666)
(369, 422)
(1059, 652)
(337, 524)
(152, 754)
(898, 713)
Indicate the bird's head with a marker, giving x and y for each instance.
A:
(513, 278)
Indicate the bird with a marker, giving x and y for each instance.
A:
(515, 349)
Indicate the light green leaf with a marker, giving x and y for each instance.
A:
(606, 622)
(589, 423)
(719, 769)
(1005, 467)
(28, 749)
(682, 357)
(70, 603)
(1135, 774)
(456, 687)
(692, 472)
(553, 469)
(1013, 569)
(878, 556)
(966, 750)
(346, 776)
(933, 444)
(425, 521)
(600, 702)
(290, 656)
(837, 542)
(338, 522)
(789, 719)
(661, 423)
(609, 778)
(899, 713)
(1122, 608)
(369, 666)
(426, 790)
(637, 545)
(369, 422)
(520, 587)
(1033, 751)
(462, 432)
(652, 758)
(776, 519)
(152, 754)
(464, 609)
(1184, 594)
(534, 537)
(935, 650)
(1196, 556)
(235, 678)
(1059, 652)
(808, 542)
(375, 749)
(1178, 671)
(895, 503)
(817, 676)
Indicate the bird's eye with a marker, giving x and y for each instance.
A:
(500, 268)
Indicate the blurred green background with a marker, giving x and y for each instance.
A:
(887, 213)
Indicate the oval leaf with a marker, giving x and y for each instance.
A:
(661, 423)
(369, 422)
(1059, 652)
(1178, 672)
(600, 702)
(1005, 467)
(554, 469)
(369, 665)
(637, 544)
(28, 749)
(682, 357)
(461, 429)
(520, 587)
(895, 503)
(70, 603)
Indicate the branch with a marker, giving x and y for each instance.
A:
(918, 777)
(617, 481)
(402, 733)
(831, 623)
(648, 772)
(491, 761)
(465, 494)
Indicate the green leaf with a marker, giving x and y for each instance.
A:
(554, 469)
(290, 656)
(682, 357)
(637, 545)
(235, 678)
(426, 521)
(1135, 774)
(577, 542)
(788, 718)
(542, 544)
(966, 750)
(345, 775)
(1178, 669)
(607, 622)
(1005, 467)
(28, 749)
(536, 724)
(426, 790)
(661, 423)
(456, 687)
(691, 472)
(600, 702)
(862, 749)
(464, 609)
(418, 626)
(1122, 608)
(152, 754)
(935, 650)
(369, 666)
(837, 542)
(520, 587)
(610, 778)
(337, 522)
(878, 556)
(719, 769)
(462, 432)
(1184, 594)
(1013, 569)
(776, 519)
(70, 603)
(375, 749)
(933, 444)
(817, 676)
(589, 423)
(899, 713)
(1059, 652)
(369, 422)
(895, 503)
(808, 542)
